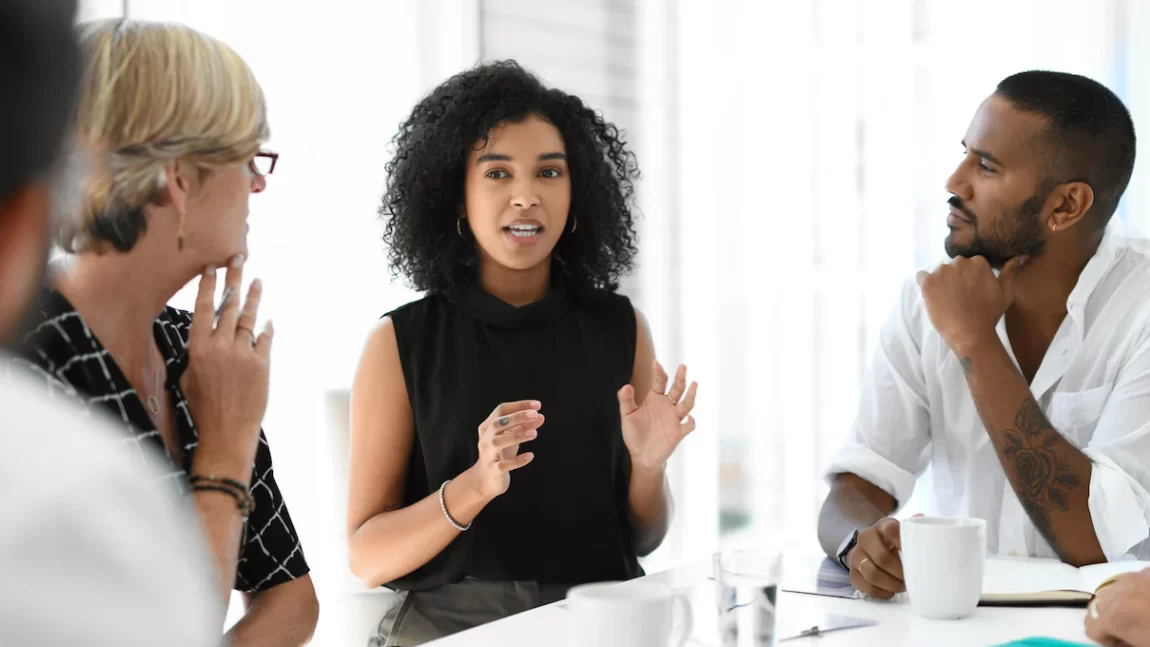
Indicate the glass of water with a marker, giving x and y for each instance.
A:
(747, 588)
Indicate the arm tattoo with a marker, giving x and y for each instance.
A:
(1042, 480)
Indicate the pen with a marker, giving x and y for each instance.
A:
(227, 295)
(228, 291)
(805, 633)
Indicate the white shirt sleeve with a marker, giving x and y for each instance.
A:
(92, 550)
(889, 441)
(1120, 451)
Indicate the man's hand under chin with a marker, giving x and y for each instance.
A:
(965, 300)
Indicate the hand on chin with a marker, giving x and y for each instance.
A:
(965, 300)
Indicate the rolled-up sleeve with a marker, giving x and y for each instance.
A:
(1120, 452)
(888, 443)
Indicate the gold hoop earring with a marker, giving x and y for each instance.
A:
(1053, 227)
(459, 226)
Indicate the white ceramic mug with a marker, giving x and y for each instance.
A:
(942, 561)
(632, 614)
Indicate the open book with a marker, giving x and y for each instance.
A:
(1010, 581)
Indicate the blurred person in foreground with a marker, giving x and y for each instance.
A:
(87, 540)
(1020, 371)
(172, 122)
(509, 203)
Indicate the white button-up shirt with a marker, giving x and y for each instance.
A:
(1093, 384)
(93, 550)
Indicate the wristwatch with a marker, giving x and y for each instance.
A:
(845, 549)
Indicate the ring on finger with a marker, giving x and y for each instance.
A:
(1094, 608)
(504, 421)
(249, 331)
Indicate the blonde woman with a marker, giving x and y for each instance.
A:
(173, 121)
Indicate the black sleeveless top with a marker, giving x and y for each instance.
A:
(566, 517)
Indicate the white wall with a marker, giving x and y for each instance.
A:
(89, 9)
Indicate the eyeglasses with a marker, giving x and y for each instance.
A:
(263, 163)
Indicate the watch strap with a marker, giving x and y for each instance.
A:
(845, 549)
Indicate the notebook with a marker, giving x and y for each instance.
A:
(823, 577)
(1011, 581)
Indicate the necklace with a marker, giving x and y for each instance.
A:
(153, 400)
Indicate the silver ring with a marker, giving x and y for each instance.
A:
(504, 421)
(1094, 608)
(250, 332)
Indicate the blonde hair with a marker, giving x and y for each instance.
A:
(154, 93)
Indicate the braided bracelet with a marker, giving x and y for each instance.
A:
(212, 478)
(443, 506)
(244, 500)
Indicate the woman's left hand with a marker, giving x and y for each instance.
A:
(653, 430)
(1117, 616)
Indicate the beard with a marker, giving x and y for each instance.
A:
(1014, 234)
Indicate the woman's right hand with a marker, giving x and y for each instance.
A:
(226, 382)
(511, 424)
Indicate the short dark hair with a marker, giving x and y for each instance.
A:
(39, 81)
(1091, 132)
(425, 180)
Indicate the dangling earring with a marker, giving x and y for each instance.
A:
(161, 182)
(574, 224)
(459, 226)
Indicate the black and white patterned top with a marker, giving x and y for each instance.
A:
(61, 349)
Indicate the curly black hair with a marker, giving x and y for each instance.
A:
(425, 180)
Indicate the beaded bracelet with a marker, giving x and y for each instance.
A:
(443, 506)
(244, 500)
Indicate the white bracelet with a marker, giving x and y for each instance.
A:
(443, 506)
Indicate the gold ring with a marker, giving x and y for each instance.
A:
(864, 561)
(1107, 582)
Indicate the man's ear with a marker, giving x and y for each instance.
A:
(1068, 204)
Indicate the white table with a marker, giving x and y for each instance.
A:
(897, 625)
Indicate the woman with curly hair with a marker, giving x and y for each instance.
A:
(509, 204)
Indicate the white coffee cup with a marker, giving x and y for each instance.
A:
(632, 614)
(942, 564)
